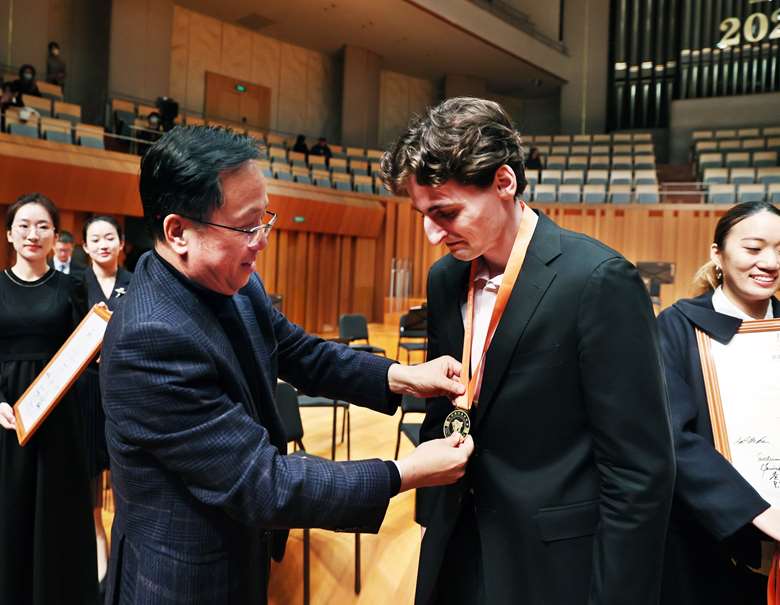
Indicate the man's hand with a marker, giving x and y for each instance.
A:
(769, 522)
(436, 378)
(436, 462)
(7, 419)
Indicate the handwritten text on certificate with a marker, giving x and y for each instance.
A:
(748, 371)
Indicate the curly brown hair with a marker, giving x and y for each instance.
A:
(464, 139)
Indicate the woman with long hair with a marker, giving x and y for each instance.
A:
(47, 544)
(718, 520)
(104, 282)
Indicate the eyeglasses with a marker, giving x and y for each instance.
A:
(42, 230)
(254, 233)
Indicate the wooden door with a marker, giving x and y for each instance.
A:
(237, 101)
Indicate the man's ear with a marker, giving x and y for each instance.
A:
(176, 233)
(505, 182)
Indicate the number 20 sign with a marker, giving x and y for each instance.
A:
(754, 29)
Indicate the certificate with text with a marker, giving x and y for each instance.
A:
(45, 392)
(742, 380)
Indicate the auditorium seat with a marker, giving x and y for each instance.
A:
(277, 153)
(754, 144)
(600, 139)
(644, 149)
(545, 193)
(740, 176)
(575, 150)
(765, 158)
(622, 162)
(620, 194)
(722, 194)
(551, 177)
(753, 192)
(620, 177)
(56, 130)
(374, 154)
(342, 181)
(646, 194)
(573, 177)
(569, 194)
(321, 178)
(644, 162)
(50, 91)
(730, 145)
(87, 135)
(768, 175)
(645, 177)
(356, 152)
(578, 162)
(301, 174)
(275, 139)
(699, 135)
(773, 143)
(737, 160)
(643, 137)
(716, 176)
(620, 137)
(296, 158)
(318, 162)
(773, 193)
(728, 133)
(14, 124)
(557, 150)
(338, 164)
(598, 177)
(706, 147)
(710, 160)
(748, 132)
(622, 149)
(364, 184)
(555, 162)
(582, 138)
(600, 161)
(561, 138)
(39, 104)
(358, 166)
(771, 131)
(67, 111)
(594, 194)
(544, 139)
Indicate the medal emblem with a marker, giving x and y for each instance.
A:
(457, 421)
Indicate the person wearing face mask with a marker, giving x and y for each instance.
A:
(55, 66)
(718, 519)
(24, 85)
(47, 540)
(104, 281)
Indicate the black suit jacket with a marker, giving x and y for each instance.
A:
(711, 540)
(572, 477)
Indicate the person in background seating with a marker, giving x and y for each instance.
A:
(321, 148)
(534, 161)
(55, 66)
(300, 145)
(24, 85)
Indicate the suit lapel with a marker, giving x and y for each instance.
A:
(246, 312)
(456, 282)
(534, 280)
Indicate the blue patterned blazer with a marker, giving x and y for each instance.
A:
(204, 492)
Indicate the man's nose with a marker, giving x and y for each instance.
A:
(434, 233)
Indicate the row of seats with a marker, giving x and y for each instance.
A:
(593, 177)
(737, 159)
(615, 162)
(739, 176)
(750, 144)
(649, 194)
(342, 181)
(620, 149)
(617, 137)
(53, 108)
(47, 90)
(53, 129)
(595, 193)
(347, 166)
(736, 133)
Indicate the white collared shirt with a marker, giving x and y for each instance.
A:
(722, 304)
(62, 267)
(485, 295)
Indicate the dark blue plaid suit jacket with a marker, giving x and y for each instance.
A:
(200, 485)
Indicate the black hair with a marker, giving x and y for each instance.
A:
(737, 214)
(180, 174)
(65, 237)
(53, 44)
(105, 219)
(33, 198)
(25, 67)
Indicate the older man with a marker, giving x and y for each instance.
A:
(203, 488)
(567, 496)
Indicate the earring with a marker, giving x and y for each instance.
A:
(719, 274)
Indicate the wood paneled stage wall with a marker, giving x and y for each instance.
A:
(332, 251)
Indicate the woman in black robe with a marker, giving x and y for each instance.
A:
(718, 520)
(104, 282)
(47, 541)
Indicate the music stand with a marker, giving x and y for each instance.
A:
(655, 273)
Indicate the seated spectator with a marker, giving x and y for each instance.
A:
(55, 66)
(300, 145)
(25, 85)
(151, 132)
(534, 161)
(321, 148)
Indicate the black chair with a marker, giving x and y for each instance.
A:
(305, 401)
(409, 404)
(354, 327)
(413, 324)
(287, 404)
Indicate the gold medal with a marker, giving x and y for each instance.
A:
(457, 421)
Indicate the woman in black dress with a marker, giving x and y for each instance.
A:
(47, 542)
(104, 282)
(718, 520)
